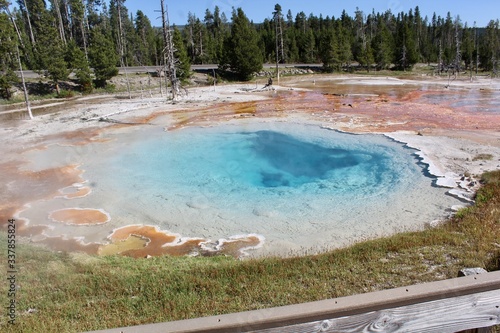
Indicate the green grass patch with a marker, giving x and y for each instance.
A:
(60, 292)
(66, 94)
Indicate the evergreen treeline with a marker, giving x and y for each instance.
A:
(64, 36)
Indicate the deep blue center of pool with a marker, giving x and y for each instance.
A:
(241, 162)
(287, 161)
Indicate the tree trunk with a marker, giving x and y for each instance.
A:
(458, 55)
(121, 43)
(440, 60)
(201, 46)
(68, 19)
(279, 44)
(32, 36)
(57, 8)
(170, 60)
(82, 28)
(26, 97)
(476, 46)
(15, 26)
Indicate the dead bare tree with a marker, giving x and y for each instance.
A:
(11, 17)
(476, 47)
(195, 38)
(280, 50)
(403, 57)
(200, 36)
(169, 53)
(440, 58)
(25, 90)
(458, 54)
(121, 42)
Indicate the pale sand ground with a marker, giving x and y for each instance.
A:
(448, 149)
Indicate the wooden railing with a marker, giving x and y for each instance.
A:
(445, 306)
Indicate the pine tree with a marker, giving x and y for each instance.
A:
(406, 54)
(132, 40)
(219, 32)
(489, 53)
(50, 48)
(55, 63)
(116, 17)
(183, 65)
(145, 50)
(210, 47)
(96, 17)
(418, 26)
(448, 40)
(241, 49)
(7, 53)
(103, 57)
(197, 40)
(267, 35)
(293, 49)
(329, 51)
(35, 18)
(77, 9)
(345, 53)
(78, 63)
(382, 46)
(57, 11)
(363, 50)
(467, 51)
(305, 40)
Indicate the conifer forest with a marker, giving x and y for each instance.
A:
(93, 38)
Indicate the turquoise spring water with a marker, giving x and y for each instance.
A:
(299, 186)
(271, 162)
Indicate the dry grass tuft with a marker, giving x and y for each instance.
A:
(483, 157)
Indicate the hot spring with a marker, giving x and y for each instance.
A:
(299, 186)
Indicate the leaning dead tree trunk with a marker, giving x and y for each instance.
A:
(11, 17)
(25, 90)
(169, 53)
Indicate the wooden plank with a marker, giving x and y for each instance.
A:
(472, 300)
(445, 316)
